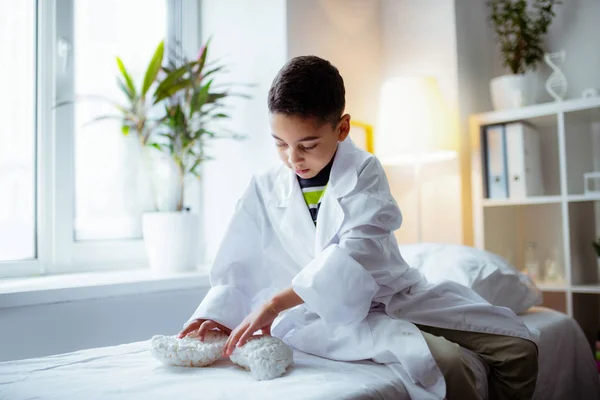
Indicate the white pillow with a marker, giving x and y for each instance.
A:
(488, 274)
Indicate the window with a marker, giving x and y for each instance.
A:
(17, 132)
(72, 193)
(110, 190)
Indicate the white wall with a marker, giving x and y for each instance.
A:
(347, 33)
(251, 40)
(419, 38)
(478, 62)
(41, 330)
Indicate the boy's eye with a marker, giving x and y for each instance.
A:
(280, 144)
(309, 147)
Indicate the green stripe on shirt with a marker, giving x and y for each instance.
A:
(313, 197)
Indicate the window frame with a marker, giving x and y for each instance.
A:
(57, 251)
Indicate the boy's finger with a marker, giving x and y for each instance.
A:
(223, 328)
(194, 325)
(205, 327)
(234, 340)
(246, 335)
(226, 348)
(228, 342)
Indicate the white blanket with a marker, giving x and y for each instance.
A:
(567, 369)
(129, 371)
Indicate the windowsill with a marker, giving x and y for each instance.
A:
(93, 285)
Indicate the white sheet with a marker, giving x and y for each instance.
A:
(566, 366)
(128, 372)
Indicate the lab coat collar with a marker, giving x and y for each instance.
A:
(343, 179)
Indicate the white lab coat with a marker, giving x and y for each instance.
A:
(361, 298)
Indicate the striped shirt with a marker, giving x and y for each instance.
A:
(313, 190)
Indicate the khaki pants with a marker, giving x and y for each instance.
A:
(512, 362)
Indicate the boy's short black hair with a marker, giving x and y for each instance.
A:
(308, 86)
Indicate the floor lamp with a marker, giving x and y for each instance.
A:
(411, 124)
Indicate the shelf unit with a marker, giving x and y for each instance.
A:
(564, 220)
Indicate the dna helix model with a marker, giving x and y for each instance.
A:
(556, 85)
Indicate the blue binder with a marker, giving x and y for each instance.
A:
(496, 162)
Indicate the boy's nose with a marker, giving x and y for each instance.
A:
(293, 157)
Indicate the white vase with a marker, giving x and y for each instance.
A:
(513, 91)
(172, 241)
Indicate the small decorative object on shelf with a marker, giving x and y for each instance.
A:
(532, 265)
(590, 92)
(556, 85)
(551, 269)
(591, 182)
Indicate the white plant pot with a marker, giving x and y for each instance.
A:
(172, 241)
(513, 91)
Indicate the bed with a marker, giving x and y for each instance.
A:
(567, 371)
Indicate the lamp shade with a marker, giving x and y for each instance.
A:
(411, 120)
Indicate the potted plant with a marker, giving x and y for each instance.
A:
(172, 114)
(519, 30)
(192, 105)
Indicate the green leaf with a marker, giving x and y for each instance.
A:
(125, 129)
(128, 80)
(153, 68)
(212, 71)
(171, 91)
(156, 146)
(125, 89)
(104, 118)
(196, 164)
(202, 58)
(63, 103)
(212, 97)
(173, 79)
(200, 98)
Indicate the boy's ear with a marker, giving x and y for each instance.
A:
(344, 127)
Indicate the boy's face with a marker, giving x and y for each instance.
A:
(306, 145)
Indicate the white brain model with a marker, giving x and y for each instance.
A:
(189, 351)
(266, 357)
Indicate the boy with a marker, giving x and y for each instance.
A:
(310, 257)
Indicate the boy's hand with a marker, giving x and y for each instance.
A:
(260, 319)
(203, 326)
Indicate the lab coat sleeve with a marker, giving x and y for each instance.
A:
(341, 282)
(234, 271)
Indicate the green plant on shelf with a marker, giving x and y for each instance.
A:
(520, 27)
